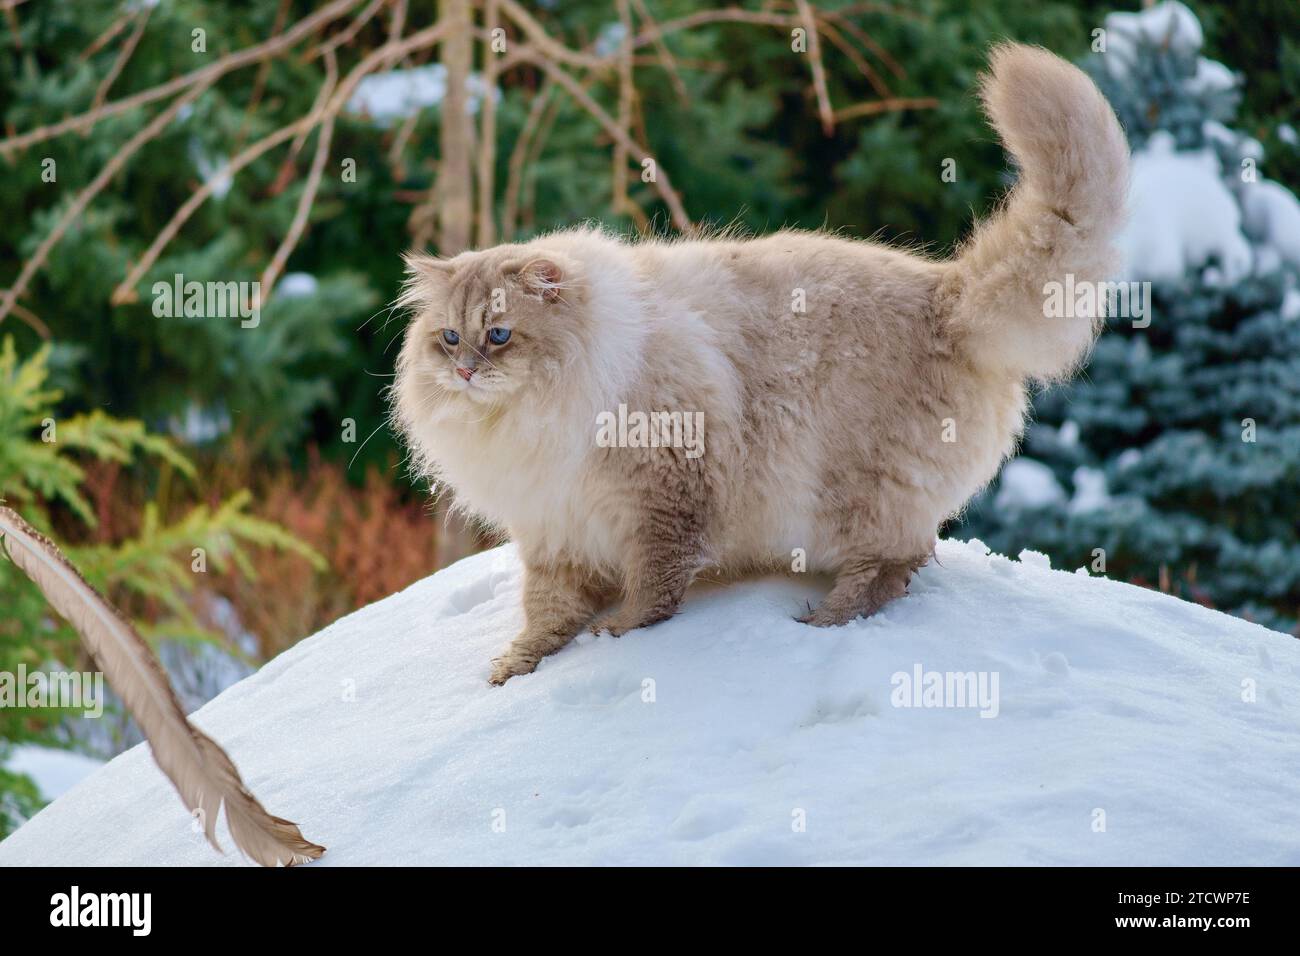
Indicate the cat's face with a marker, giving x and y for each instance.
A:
(486, 326)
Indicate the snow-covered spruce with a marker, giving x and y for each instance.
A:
(732, 734)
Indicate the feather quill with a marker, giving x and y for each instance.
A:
(203, 774)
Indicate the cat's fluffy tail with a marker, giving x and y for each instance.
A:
(1059, 219)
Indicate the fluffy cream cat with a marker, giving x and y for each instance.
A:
(851, 396)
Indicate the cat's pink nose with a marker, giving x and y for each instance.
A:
(464, 373)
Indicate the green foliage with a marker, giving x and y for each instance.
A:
(41, 464)
(273, 384)
(19, 798)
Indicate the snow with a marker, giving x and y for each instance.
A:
(396, 94)
(1184, 213)
(1165, 23)
(1027, 483)
(710, 738)
(610, 38)
(54, 772)
(1090, 491)
(1290, 309)
(199, 425)
(1271, 217)
(213, 171)
(297, 285)
(1212, 76)
(1181, 216)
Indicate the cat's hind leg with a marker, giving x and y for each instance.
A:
(657, 579)
(862, 587)
(669, 545)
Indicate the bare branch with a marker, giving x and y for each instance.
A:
(263, 71)
(453, 193)
(563, 54)
(818, 68)
(661, 181)
(874, 107)
(519, 155)
(346, 35)
(625, 93)
(398, 146)
(123, 56)
(548, 47)
(317, 110)
(851, 28)
(83, 198)
(125, 291)
(97, 44)
(487, 153)
(665, 55)
(309, 189)
(204, 76)
(866, 69)
(396, 25)
(26, 315)
(528, 204)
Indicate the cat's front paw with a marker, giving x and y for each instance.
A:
(511, 664)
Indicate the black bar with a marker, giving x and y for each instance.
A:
(976, 905)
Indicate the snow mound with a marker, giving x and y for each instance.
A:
(1110, 725)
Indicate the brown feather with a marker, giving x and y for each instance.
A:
(203, 774)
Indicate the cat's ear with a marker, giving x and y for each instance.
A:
(421, 265)
(427, 280)
(542, 277)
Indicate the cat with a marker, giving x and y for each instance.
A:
(851, 396)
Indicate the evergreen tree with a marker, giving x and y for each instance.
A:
(1175, 458)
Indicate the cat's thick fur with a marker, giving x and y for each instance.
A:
(849, 430)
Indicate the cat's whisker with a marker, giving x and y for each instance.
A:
(389, 307)
(392, 340)
(363, 445)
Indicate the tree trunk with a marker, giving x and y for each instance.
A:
(454, 202)
(455, 186)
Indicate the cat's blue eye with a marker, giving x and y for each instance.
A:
(498, 335)
(450, 337)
